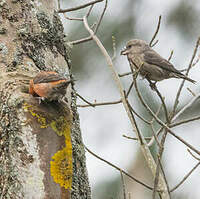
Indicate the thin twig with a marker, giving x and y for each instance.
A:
(163, 102)
(101, 17)
(129, 89)
(185, 177)
(152, 45)
(156, 32)
(196, 61)
(157, 134)
(123, 184)
(142, 118)
(125, 74)
(170, 56)
(90, 104)
(89, 38)
(72, 18)
(193, 94)
(145, 149)
(131, 138)
(157, 113)
(100, 104)
(163, 124)
(79, 7)
(182, 83)
(193, 155)
(90, 10)
(119, 169)
(186, 107)
(184, 121)
(79, 41)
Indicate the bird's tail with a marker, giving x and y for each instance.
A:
(188, 79)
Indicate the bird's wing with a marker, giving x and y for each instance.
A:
(47, 77)
(151, 57)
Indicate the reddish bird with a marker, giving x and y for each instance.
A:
(49, 85)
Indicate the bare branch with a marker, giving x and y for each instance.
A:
(185, 121)
(146, 138)
(142, 118)
(129, 90)
(79, 7)
(155, 34)
(119, 169)
(191, 92)
(161, 167)
(100, 104)
(72, 18)
(90, 104)
(157, 134)
(183, 81)
(170, 56)
(185, 177)
(90, 10)
(163, 102)
(101, 17)
(125, 74)
(163, 124)
(79, 41)
(142, 141)
(123, 184)
(186, 107)
(83, 40)
(193, 155)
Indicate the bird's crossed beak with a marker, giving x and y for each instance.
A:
(124, 51)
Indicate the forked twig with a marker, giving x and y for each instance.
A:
(155, 34)
(142, 141)
(79, 7)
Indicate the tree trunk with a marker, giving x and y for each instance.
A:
(41, 149)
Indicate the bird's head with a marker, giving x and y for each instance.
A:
(134, 46)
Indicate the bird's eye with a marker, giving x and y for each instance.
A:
(129, 46)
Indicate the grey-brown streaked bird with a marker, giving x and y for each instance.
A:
(149, 63)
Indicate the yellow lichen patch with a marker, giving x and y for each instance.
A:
(59, 125)
(61, 168)
(61, 164)
(40, 118)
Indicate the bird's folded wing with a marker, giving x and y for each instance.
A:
(151, 57)
(48, 77)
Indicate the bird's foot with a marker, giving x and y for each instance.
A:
(152, 85)
(40, 99)
(135, 74)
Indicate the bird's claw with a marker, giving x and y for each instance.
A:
(152, 85)
(40, 99)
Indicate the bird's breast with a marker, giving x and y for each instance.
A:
(135, 60)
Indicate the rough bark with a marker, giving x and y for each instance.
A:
(33, 135)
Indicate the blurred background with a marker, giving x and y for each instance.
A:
(103, 127)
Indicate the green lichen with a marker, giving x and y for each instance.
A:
(59, 125)
(39, 116)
